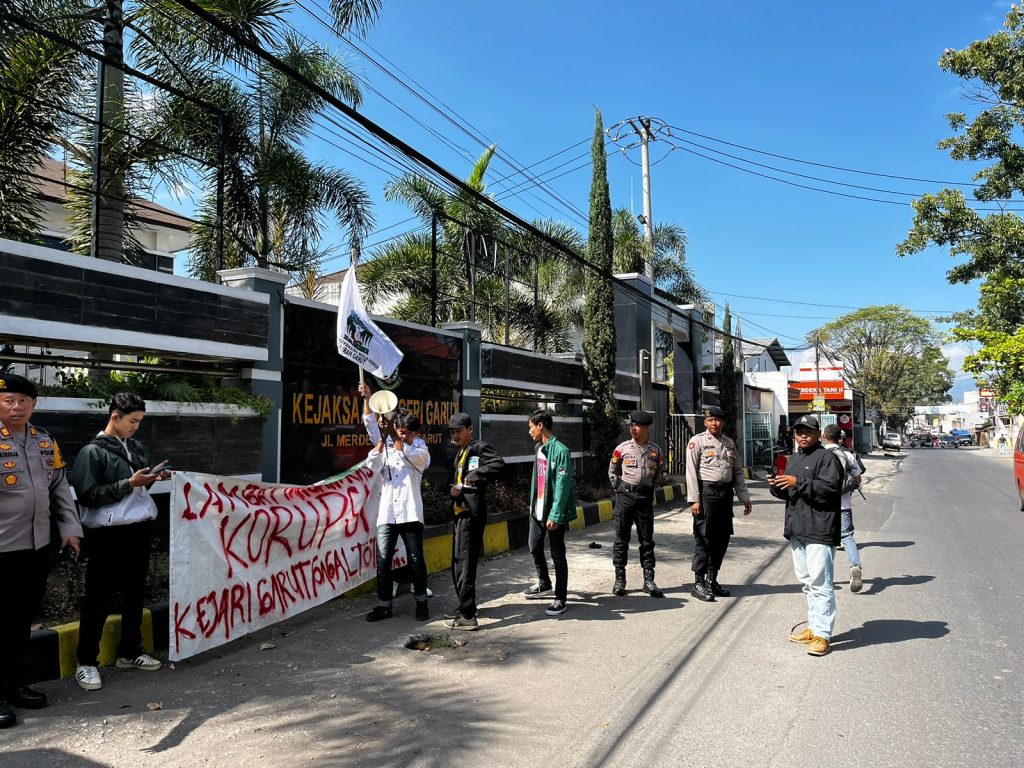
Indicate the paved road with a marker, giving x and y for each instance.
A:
(925, 669)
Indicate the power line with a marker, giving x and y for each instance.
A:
(829, 306)
(824, 165)
(460, 123)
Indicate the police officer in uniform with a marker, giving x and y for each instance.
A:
(713, 474)
(33, 489)
(634, 471)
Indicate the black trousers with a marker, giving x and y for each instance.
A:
(117, 566)
(467, 546)
(23, 574)
(712, 528)
(538, 531)
(631, 509)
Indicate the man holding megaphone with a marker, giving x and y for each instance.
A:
(402, 457)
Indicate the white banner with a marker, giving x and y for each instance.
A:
(245, 555)
(359, 338)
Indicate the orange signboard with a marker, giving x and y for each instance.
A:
(830, 390)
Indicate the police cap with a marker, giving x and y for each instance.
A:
(713, 410)
(13, 383)
(642, 418)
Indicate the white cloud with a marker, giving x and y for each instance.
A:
(955, 353)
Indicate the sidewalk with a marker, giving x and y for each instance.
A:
(327, 688)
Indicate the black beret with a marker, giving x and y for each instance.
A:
(12, 382)
(460, 421)
(643, 418)
(713, 410)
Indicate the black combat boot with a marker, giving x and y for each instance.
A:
(701, 590)
(619, 587)
(649, 586)
(717, 589)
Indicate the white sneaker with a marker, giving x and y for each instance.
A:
(143, 661)
(412, 590)
(88, 678)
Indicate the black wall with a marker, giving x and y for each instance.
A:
(47, 290)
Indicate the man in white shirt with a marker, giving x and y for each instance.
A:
(400, 457)
(830, 436)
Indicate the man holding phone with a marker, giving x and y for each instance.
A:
(33, 490)
(112, 476)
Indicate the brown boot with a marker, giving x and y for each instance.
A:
(803, 637)
(818, 646)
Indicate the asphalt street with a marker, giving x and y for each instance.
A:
(925, 668)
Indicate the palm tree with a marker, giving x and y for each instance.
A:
(276, 202)
(672, 275)
(473, 248)
(36, 77)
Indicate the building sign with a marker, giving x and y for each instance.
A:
(830, 390)
(322, 430)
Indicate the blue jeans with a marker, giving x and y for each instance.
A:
(852, 555)
(387, 540)
(813, 564)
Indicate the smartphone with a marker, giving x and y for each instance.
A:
(770, 472)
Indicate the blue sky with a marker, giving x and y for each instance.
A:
(848, 85)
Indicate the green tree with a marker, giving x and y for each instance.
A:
(36, 77)
(891, 355)
(672, 274)
(993, 71)
(728, 391)
(599, 312)
(278, 203)
(472, 245)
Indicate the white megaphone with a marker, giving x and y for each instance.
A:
(383, 403)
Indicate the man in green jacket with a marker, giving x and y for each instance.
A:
(552, 507)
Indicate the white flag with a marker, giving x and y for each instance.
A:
(359, 338)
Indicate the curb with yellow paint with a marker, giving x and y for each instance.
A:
(53, 649)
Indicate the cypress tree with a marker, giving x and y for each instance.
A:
(599, 313)
(727, 395)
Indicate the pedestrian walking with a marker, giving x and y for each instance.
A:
(34, 493)
(112, 476)
(811, 488)
(635, 469)
(553, 507)
(713, 475)
(831, 437)
(476, 465)
(400, 457)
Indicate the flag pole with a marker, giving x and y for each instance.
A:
(355, 260)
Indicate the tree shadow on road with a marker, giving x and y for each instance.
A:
(57, 758)
(882, 631)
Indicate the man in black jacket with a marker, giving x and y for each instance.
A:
(476, 464)
(812, 490)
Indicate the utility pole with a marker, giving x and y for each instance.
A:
(643, 130)
(646, 129)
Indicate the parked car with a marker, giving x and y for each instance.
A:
(1018, 468)
(949, 441)
(891, 441)
(963, 437)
